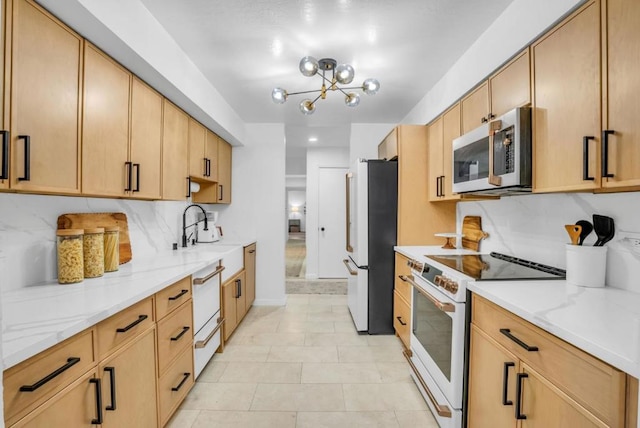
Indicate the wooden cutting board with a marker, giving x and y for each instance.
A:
(89, 220)
(472, 231)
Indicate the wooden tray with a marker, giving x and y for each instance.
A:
(473, 233)
(89, 220)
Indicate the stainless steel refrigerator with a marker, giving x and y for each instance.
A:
(372, 201)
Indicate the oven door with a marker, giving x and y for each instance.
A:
(437, 338)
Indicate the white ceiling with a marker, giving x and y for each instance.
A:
(248, 47)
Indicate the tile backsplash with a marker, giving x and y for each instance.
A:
(532, 227)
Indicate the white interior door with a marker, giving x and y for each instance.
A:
(331, 222)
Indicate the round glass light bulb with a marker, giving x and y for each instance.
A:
(344, 74)
(352, 99)
(308, 66)
(371, 86)
(307, 107)
(279, 95)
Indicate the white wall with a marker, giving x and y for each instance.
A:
(317, 158)
(365, 138)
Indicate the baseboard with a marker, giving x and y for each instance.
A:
(311, 276)
(270, 302)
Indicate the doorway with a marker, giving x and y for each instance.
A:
(296, 250)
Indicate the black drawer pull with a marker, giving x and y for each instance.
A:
(400, 321)
(27, 157)
(505, 383)
(98, 420)
(133, 324)
(184, 330)
(71, 361)
(4, 174)
(507, 333)
(519, 414)
(184, 379)
(112, 379)
(179, 295)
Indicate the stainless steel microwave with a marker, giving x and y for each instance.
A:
(496, 157)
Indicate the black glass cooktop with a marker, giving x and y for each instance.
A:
(498, 267)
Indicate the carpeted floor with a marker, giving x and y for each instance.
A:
(296, 253)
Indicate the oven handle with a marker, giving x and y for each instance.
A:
(351, 272)
(441, 409)
(200, 281)
(444, 307)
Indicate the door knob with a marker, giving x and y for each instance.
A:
(322, 229)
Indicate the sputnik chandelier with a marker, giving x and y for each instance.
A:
(340, 74)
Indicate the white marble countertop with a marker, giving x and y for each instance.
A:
(40, 316)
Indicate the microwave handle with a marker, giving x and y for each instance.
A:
(494, 127)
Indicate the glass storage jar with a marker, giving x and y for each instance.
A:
(70, 257)
(111, 248)
(93, 250)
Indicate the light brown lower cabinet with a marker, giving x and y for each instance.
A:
(234, 302)
(402, 301)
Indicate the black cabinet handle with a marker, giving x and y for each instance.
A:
(507, 333)
(209, 167)
(137, 167)
(179, 295)
(221, 191)
(437, 186)
(605, 152)
(492, 116)
(27, 157)
(184, 379)
(484, 120)
(184, 330)
(133, 324)
(71, 361)
(112, 379)
(98, 419)
(585, 157)
(442, 185)
(205, 167)
(400, 321)
(519, 414)
(128, 167)
(505, 383)
(4, 174)
(238, 288)
(188, 187)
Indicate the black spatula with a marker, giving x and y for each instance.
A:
(587, 228)
(604, 228)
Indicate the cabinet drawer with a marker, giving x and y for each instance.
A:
(175, 332)
(173, 296)
(46, 374)
(594, 384)
(402, 287)
(124, 326)
(402, 318)
(175, 384)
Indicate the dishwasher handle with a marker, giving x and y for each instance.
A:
(200, 281)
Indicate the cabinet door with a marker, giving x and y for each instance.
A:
(450, 131)
(622, 104)
(211, 153)
(241, 300)
(174, 153)
(129, 379)
(566, 100)
(491, 367)
(229, 312)
(45, 98)
(198, 165)
(74, 406)
(146, 141)
(250, 273)
(511, 86)
(224, 172)
(434, 136)
(105, 126)
(475, 108)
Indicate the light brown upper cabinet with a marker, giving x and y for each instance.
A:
(441, 134)
(175, 168)
(203, 152)
(224, 172)
(388, 148)
(4, 110)
(211, 153)
(566, 100)
(46, 64)
(105, 126)
(506, 89)
(146, 141)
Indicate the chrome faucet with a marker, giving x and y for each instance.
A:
(184, 221)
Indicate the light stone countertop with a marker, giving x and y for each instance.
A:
(40, 316)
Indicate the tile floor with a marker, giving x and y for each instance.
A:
(304, 365)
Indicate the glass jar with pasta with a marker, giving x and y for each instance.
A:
(111, 248)
(93, 250)
(70, 255)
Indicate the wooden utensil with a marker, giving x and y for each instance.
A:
(92, 220)
(587, 228)
(574, 232)
(472, 232)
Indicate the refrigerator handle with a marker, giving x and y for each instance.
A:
(348, 178)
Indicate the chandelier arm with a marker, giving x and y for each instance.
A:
(317, 98)
(304, 92)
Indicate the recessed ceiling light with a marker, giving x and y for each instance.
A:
(313, 139)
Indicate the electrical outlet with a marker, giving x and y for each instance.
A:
(630, 240)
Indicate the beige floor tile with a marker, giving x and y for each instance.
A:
(262, 373)
(264, 312)
(298, 397)
(335, 339)
(340, 373)
(183, 419)
(306, 327)
(390, 340)
(352, 354)
(327, 299)
(233, 352)
(343, 309)
(344, 326)
(212, 371)
(328, 316)
(297, 299)
(347, 419)
(394, 372)
(272, 339)
(308, 308)
(412, 419)
(303, 354)
(220, 419)
(220, 396)
(248, 328)
(380, 397)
